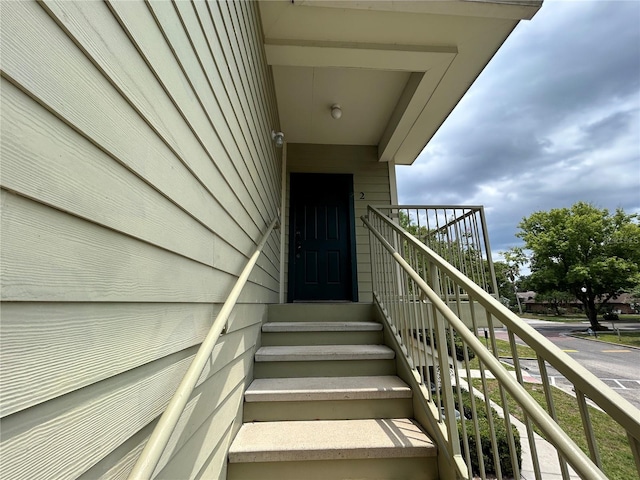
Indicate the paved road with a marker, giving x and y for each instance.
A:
(617, 366)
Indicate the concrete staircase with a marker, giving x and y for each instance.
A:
(326, 404)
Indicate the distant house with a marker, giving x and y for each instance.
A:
(622, 304)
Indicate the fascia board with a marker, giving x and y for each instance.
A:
(505, 9)
(449, 91)
(412, 104)
(408, 58)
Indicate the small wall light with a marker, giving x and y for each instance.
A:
(278, 138)
(336, 111)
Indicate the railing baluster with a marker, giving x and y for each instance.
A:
(467, 366)
(588, 427)
(634, 443)
(426, 374)
(484, 273)
(474, 324)
(548, 393)
(395, 291)
(459, 241)
(416, 317)
(458, 387)
(385, 263)
(526, 420)
(463, 236)
(505, 403)
(492, 429)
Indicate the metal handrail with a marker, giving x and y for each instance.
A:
(150, 456)
(586, 383)
(615, 405)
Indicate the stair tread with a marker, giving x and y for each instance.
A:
(330, 439)
(321, 327)
(327, 388)
(323, 352)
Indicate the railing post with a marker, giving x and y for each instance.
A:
(635, 449)
(492, 271)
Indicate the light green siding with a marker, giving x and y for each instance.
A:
(138, 174)
(371, 186)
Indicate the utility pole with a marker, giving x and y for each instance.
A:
(515, 289)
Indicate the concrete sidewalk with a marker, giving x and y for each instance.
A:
(547, 455)
(526, 376)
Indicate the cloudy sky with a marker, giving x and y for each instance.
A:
(553, 119)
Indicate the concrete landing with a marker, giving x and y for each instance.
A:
(330, 440)
(309, 353)
(327, 388)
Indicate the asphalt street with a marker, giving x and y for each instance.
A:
(617, 366)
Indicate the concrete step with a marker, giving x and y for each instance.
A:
(327, 388)
(312, 353)
(327, 398)
(324, 361)
(337, 326)
(372, 448)
(320, 312)
(321, 333)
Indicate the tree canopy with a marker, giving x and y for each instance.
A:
(588, 252)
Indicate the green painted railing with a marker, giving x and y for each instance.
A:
(420, 295)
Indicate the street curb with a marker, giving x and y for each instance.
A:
(603, 341)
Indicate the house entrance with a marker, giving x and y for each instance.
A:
(321, 238)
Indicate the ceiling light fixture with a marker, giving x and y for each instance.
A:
(336, 111)
(278, 138)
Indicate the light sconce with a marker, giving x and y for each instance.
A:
(278, 138)
(336, 111)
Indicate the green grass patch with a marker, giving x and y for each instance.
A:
(615, 453)
(625, 338)
(504, 350)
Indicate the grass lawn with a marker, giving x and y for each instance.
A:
(504, 350)
(617, 460)
(626, 338)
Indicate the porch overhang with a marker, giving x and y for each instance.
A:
(397, 69)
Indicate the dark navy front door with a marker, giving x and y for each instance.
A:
(320, 244)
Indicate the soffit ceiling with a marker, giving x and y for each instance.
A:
(397, 69)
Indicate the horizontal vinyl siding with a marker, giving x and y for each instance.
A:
(138, 175)
(370, 179)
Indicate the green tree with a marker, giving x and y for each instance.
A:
(583, 250)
